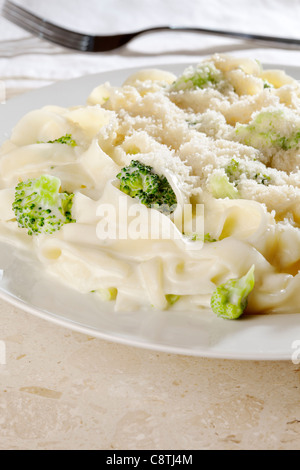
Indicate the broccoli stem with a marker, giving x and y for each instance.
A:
(230, 299)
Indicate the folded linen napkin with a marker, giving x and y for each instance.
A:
(108, 16)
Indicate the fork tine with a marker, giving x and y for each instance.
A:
(47, 35)
(42, 28)
(25, 14)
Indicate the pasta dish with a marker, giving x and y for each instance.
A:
(168, 192)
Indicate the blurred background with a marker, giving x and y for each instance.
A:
(27, 62)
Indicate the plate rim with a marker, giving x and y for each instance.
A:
(73, 326)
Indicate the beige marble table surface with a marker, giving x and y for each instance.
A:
(65, 390)
(61, 389)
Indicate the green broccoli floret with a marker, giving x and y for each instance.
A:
(269, 129)
(172, 298)
(195, 237)
(234, 172)
(229, 300)
(141, 182)
(267, 84)
(107, 294)
(204, 75)
(262, 179)
(209, 239)
(220, 187)
(40, 207)
(65, 139)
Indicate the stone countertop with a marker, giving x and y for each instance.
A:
(64, 390)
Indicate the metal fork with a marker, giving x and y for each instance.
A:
(91, 43)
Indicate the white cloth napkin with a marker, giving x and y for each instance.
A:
(34, 62)
(280, 17)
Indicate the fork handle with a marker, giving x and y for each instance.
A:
(108, 43)
(217, 32)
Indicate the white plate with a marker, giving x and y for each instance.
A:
(24, 284)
